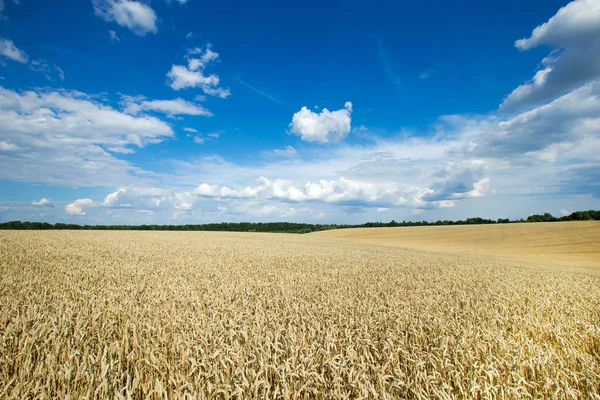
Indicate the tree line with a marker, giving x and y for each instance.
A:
(291, 227)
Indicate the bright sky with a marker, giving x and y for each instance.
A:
(185, 111)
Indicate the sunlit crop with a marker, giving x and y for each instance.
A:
(245, 315)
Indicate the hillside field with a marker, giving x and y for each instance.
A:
(573, 243)
(215, 315)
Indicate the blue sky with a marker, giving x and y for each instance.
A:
(181, 111)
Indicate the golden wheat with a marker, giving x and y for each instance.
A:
(242, 315)
(572, 243)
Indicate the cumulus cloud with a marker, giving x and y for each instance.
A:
(573, 24)
(192, 75)
(339, 191)
(65, 137)
(324, 127)
(569, 119)
(133, 15)
(574, 33)
(148, 199)
(224, 192)
(10, 51)
(76, 208)
(460, 183)
(275, 211)
(43, 203)
(199, 139)
(178, 106)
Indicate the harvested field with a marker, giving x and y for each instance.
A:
(572, 244)
(100, 314)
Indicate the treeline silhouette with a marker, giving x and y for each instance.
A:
(291, 227)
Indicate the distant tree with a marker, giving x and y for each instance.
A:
(581, 216)
(594, 214)
(547, 217)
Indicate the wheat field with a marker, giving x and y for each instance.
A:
(572, 244)
(206, 315)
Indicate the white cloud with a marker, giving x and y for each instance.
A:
(48, 69)
(288, 151)
(64, 137)
(573, 24)
(224, 192)
(148, 199)
(136, 16)
(568, 119)
(575, 34)
(564, 213)
(192, 75)
(76, 208)
(191, 130)
(113, 36)
(173, 107)
(460, 183)
(10, 51)
(275, 211)
(199, 140)
(43, 202)
(340, 191)
(205, 55)
(7, 146)
(324, 127)
(447, 203)
(382, 209)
